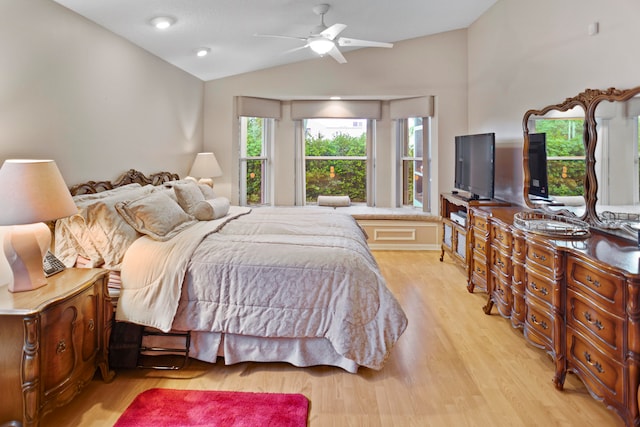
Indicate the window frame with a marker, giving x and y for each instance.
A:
(402, 135)
(369, 159)
(268, 136)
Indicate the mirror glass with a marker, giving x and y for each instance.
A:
(616, 155)
(555, 153)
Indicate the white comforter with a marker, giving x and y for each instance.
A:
(273, 272)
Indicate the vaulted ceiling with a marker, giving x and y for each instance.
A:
(228, 28)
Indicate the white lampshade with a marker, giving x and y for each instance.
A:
(321, 45)
(205, 166)
(31, 191)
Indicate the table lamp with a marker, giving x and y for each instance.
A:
(31, 192)
(205, 167)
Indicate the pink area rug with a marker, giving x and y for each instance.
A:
(159, 407)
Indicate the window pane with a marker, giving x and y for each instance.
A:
(335, 178)
(254, 136)
(343, 138)
(255, 182)
(412, 184)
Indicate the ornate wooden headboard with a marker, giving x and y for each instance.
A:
(130, 177)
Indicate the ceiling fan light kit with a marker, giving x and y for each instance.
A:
(321, 45)
(324, 40)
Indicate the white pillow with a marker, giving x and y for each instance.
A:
(207, 210)
(188, 194)
(156, 215)
(334, 201)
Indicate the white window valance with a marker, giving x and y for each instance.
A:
(421, 106)
(248, 106)
(349, 109)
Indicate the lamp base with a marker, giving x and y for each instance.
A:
(25, 247)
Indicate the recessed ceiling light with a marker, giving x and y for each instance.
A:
(162, 22)
(202, 51)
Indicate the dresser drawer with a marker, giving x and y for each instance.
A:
(603, 376)
(500, 236)
(501, 291)
(541, 255)
(500, 262)
(604, 328)
(479, 271)
(541, 287)
(480, 223)
(539, 325)
(479, 244)
(608, 289)
(518, 251)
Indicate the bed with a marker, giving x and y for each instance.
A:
(267, 284)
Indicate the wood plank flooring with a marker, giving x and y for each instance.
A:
(454, 366)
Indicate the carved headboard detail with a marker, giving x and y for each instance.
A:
(130, 177)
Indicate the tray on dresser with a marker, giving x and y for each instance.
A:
(549, 225)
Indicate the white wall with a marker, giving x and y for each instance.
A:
(528, 54)
(95, 103)
(435, 65)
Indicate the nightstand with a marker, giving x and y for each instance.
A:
(52, 341)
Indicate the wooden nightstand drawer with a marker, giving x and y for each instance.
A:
(54, 339)
(69, 342)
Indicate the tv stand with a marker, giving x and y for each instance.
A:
(454, 234)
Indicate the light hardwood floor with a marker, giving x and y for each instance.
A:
(454, 366)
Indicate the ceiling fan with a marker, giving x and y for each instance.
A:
(324, 40)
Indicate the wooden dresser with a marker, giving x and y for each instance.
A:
(579, 300)
(455, 225)
(53, 340)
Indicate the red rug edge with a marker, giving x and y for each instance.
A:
(146, 410)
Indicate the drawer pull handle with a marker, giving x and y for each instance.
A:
(61, 347)
(535, 287)
(596, 365)
(595, 323)
(92, 325)
(595, 283)
(500, 237)
(500, 264)
(534, 320)
(540, 257)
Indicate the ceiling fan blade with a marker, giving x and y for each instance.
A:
(281, 36)
(295, 49)
(337, 55)
(347, 42)
(333, 31)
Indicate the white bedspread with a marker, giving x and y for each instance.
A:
(274, 272)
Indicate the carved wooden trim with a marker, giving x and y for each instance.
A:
(588, 100)
(132, 176)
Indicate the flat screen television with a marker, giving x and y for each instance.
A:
(475, 165)
(538, 181)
